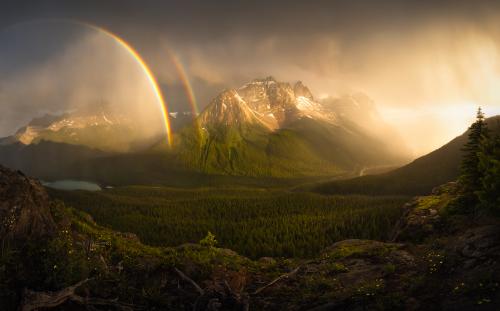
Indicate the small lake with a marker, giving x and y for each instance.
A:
(73, 185)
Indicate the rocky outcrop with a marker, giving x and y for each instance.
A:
(478, 245)
(423, 215)
(24, 207)
(430, 267)
(301, 90)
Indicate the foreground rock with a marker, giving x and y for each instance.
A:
(24, 208)
(436, 261)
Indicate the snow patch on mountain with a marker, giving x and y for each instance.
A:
(271, 103)
(304, 103)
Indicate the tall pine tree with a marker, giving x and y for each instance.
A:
(489, 165)
(471, 174)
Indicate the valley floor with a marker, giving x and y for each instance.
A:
(56, 256)
(255, 222)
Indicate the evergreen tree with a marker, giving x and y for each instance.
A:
(471, 174)
(489, 165)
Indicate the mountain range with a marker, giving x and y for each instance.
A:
(271, 128)
(109, 132)
(265, 128)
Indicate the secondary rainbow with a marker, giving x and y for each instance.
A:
(185, 82)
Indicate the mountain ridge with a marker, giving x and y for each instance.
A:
(249, 123)
(264, 128)
(109, 132)
(272, 103)
(418, 177)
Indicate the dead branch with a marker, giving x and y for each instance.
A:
(33, 300)
(188, 279)
(103, 302)
(276, 280)
(229, 289)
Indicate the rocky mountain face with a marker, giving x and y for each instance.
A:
(228, 109)
(272, 128)
(271, 103)
(38, 128)
(102, 130)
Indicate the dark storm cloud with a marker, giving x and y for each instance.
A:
(208, 20)
(411, 57)
(296, 24)
(224, 33)
(17, 45)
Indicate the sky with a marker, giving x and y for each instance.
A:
(427, 65)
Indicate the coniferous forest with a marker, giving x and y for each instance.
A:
(253, 222)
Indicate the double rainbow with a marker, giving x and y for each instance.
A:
(179, 67)
(147, 71)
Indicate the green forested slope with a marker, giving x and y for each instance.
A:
(254, 222)
(418, 177)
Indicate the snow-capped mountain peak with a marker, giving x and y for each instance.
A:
(102, 130)
(272, 103)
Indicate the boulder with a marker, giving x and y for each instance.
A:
(24, 208)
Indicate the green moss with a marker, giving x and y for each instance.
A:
(359, 248)
(336, 267)
(320, 284)
(428, 202)
(389, 268)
